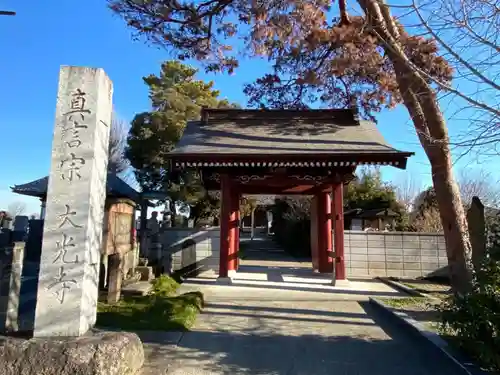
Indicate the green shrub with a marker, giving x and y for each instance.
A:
(152, 312)
(474, 319)
(291, 226)
(164, 286)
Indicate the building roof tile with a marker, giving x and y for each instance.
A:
(280, 132)
(115, 186)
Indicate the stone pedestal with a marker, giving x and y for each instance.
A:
(115, 278)
(72, 238)
(146, 273)
(100, 353)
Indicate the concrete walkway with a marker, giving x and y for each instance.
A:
(279, 318)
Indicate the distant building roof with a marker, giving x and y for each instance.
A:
(374, 212)
(115, 187)
(285, 133)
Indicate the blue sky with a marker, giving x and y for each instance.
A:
(44, 35)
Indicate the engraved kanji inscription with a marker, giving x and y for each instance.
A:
(74, 143)
(74, 126)
(61, 284)
(77, 104)
(75, 119)
(63, 247)
(66, 218)
(71, 167)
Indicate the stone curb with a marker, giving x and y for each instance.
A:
(432, 337)
(405, 288)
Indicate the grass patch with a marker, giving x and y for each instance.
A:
(404, 302)
(164, 286)
(409, 285)
(162, 310)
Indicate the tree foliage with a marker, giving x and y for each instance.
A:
(176, 97)
(292, 225)
(332, 60)
(316, 58)
(473, 319)
(247, 205)
(368, 191)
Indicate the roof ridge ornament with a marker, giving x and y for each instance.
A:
(345, 116)
(204, 115)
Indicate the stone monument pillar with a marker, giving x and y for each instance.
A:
(477, 232)
(69, 265)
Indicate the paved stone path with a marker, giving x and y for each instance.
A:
(279, 318)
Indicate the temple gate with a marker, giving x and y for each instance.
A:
(283, 152)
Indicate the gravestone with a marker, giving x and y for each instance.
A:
(477, 231)
(72, 236)
(21, 223)
(10, 285)
(115, 262)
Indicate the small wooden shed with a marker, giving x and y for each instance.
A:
(122, 200)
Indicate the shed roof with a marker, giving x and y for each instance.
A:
(374, 212)
(278, 133)
(115, 186)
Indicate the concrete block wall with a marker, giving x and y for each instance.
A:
(398, 254)
(205, 252)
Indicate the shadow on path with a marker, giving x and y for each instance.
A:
(372, 345)
(287, 287)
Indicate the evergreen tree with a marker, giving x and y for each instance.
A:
(176, 98)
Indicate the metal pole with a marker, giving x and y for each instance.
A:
(7, 13)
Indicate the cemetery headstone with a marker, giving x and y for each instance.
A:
(477, 231)
(10, 284)
(115, 277)
(72, 236)
(21, 223)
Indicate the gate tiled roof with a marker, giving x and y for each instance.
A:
(281, 132)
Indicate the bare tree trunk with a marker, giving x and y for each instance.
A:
(422, 104)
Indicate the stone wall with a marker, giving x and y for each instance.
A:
(399, 254)
(192, 248)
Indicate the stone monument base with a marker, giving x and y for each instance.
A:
(98, 353)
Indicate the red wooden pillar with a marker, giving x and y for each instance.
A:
(314, 233)
(325, 261)
(237, 240)
(225, 225)
(338, 214)
(233, 230)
